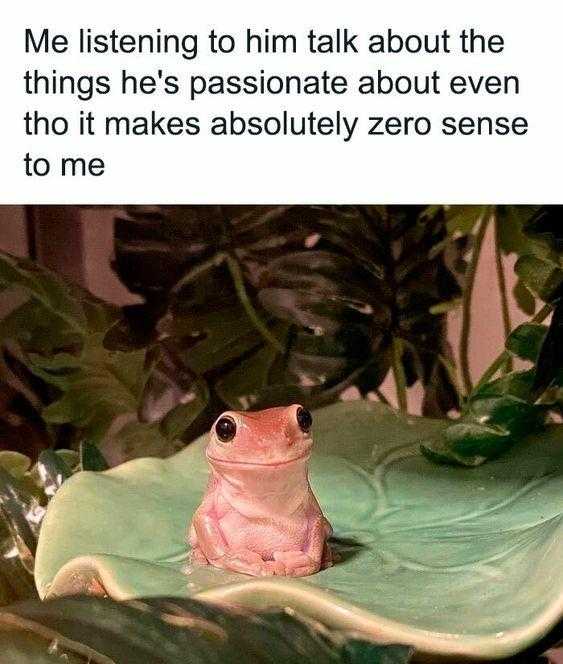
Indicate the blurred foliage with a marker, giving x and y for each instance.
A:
(170, 630)
(162, 630)
(265, 305)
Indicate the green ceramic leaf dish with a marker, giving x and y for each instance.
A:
(450, 560)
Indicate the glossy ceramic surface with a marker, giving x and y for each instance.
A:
(453, 561)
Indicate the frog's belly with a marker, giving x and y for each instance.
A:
(264, 535)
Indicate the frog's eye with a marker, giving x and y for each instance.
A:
(304, 419)
(225, 428)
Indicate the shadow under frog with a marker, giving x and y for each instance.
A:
(259, 515)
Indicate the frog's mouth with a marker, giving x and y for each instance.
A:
(256, 464)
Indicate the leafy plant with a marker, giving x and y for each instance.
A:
(275, 304)
(500, 411)
(169, 630)
(253, 306)
(53, 355)
(508, 223)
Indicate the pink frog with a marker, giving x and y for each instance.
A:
(259, 515)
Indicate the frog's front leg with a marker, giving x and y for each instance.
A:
(209, 546)
(316, 553)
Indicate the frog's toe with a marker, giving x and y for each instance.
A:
(304, 570)
(297, 563)
(274, 568)
(290, 557)
(328, 557)
(244, 562)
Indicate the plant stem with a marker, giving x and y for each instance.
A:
(466, 302)
(399, 374)
(210, 263)
(542, 314)
(452, 375)
(238, 279)
(499, 362)
(509, 365)
(381, 396)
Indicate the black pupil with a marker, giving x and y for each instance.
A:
(304, 419)
(226, 429)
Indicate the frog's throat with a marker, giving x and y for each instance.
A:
(260, 489)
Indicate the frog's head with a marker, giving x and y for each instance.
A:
(271, 437)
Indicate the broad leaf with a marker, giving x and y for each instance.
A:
(91, 458)
(543, 277)
(97, 386)
(57, 329)
(524, 298)
(526, 341)
(496, 416)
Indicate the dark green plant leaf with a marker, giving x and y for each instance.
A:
(515, 383)
(138, 439)
(524, 298)
(363, 652)
(547, 226)
(97, 386)
(23, 496)
(240, 388)
(211, 339)
(23, 499)
(169, 631)
(54, 314)
(70, 457)
(540, 265)
(526, 340)
(511, 221)
(136, 328)
(58, 331)
(489, 426)
(549, 365)
(463, 218)
(91, 458)
(542, 276)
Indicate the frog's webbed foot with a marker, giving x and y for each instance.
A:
(197, 556)
(297, 563)
(328, 557)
